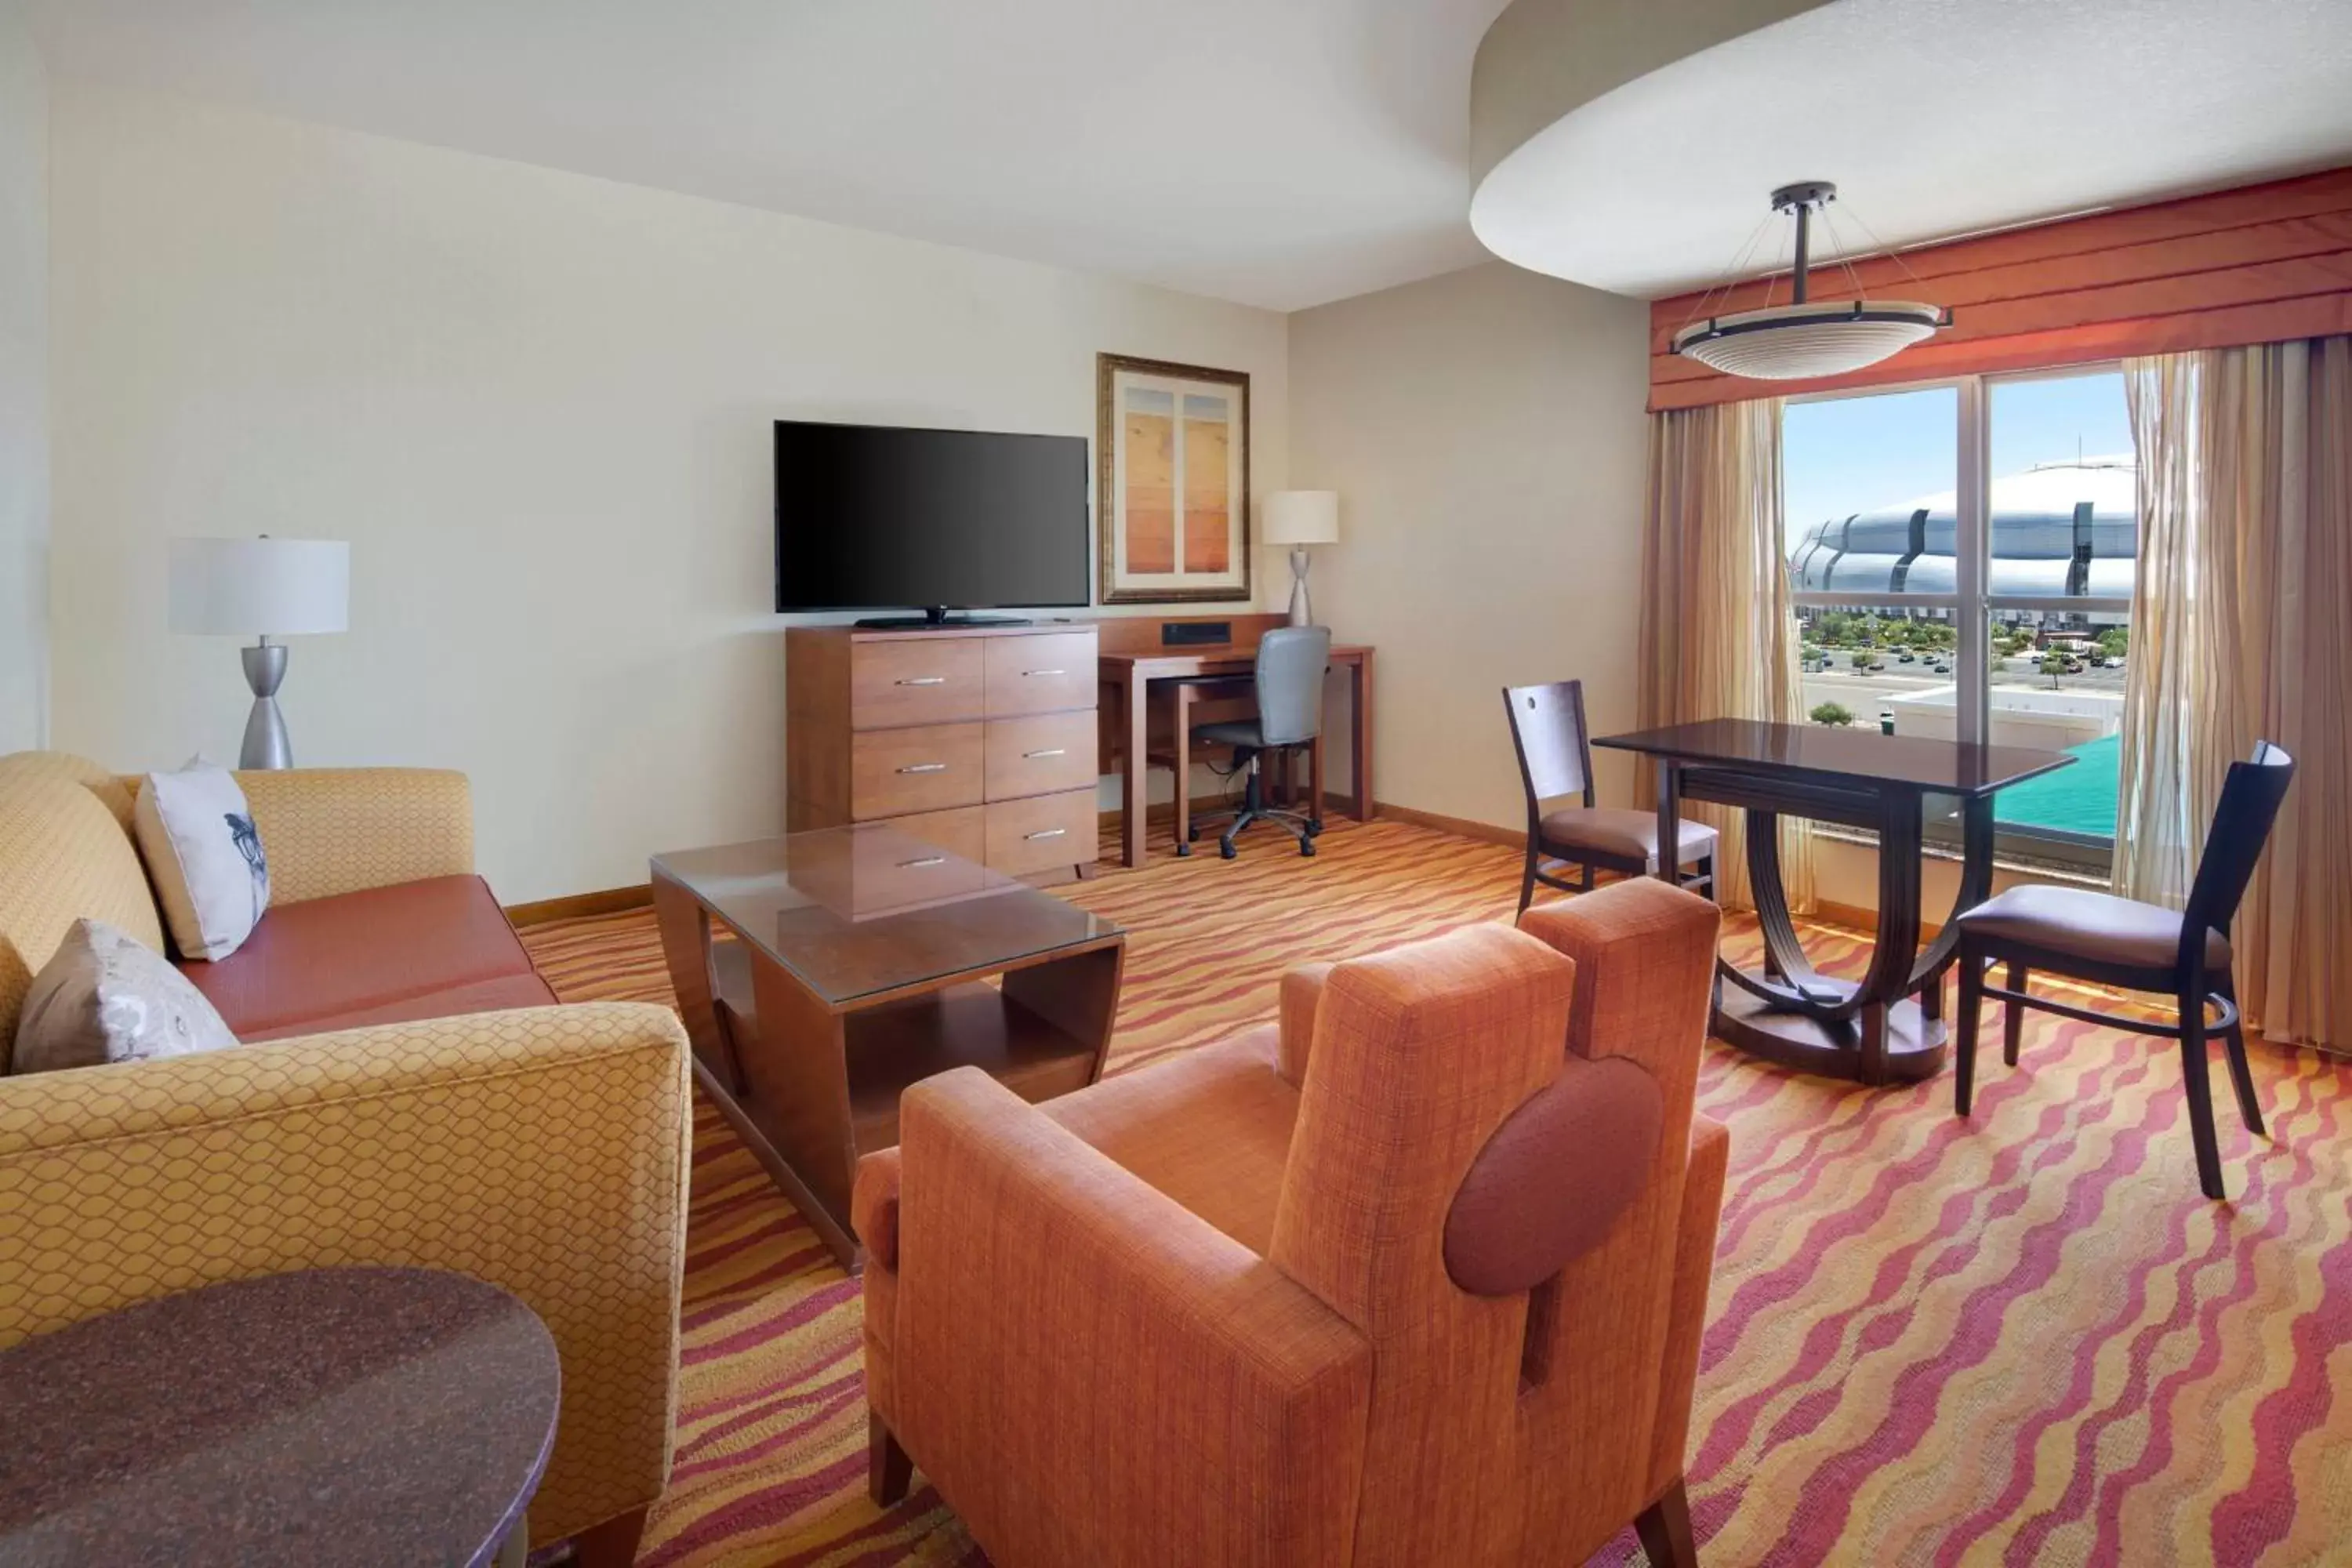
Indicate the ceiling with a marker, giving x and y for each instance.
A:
(1286, 152)
(1935, 118)
(1278, 153)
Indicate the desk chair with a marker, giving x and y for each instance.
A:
(1555, 752)
(2108, 941)
(1289, 686)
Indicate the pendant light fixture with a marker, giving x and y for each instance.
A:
(1804, 337)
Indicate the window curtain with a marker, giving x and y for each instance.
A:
(1719, 627)
(2241, 630)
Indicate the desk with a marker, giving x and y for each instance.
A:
(1790, 1012)
(1127, 677)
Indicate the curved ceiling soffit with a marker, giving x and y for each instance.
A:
(1543, 60)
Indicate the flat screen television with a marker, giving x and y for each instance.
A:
(874, 517)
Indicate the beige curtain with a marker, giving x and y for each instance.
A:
(1718, 629)
(2241, 630)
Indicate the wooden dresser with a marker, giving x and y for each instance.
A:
(979, 740)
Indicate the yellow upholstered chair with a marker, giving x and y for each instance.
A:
(543, 1149)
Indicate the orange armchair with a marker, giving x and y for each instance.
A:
(1399, 1281)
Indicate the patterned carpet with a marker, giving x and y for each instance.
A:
(2020, 1339)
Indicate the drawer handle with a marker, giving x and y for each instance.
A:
(924, 680)
(926, 861)
(924, 768)
(1048, 751)
(1046, 832)
(1045, 672)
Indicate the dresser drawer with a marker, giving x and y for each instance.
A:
(1040, 674)
(914, 680)
(1042, 755)
(962, 831)
(893, 772)
(1043, 832)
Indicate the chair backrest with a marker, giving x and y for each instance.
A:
(2251, 796)
(1290, 664)
(1547, 728)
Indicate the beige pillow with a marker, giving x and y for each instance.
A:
(196, 833)
(103, 997)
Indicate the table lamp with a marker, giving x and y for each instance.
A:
(262, 587)
(1298, 519)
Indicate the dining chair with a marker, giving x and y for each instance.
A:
(2132, 946)
(1555, 762)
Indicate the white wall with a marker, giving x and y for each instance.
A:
(538, 406)
(1485, 432)
(24, 387)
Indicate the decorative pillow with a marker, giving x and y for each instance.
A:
(104, 997)
(196, 835)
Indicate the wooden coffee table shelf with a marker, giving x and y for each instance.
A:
(849, 963)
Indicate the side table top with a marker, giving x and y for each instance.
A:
(331, 1415)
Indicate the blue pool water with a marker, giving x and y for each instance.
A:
(2080, 799)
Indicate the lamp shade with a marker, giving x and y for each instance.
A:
(1302, 517)
(267, 587)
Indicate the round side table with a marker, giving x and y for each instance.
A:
(362, 1416)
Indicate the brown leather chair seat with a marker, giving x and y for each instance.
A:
(1613, 830)
(432, 949)
(2096, 926)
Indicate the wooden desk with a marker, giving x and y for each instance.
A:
(1129, 673)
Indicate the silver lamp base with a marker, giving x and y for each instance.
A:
(266, 745)
(1302, 613)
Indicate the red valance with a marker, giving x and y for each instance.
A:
(2257, 264)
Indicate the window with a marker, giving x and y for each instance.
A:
(1962, 557)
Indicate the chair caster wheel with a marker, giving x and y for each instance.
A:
(1228, 851)
(1307, 846)
(1192, 836)
(1315, 829)
(1185, 849)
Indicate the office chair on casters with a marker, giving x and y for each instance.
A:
(1289, 679)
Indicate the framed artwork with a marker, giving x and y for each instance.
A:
(1172, 449)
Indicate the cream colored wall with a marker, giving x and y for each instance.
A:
(24, 387)
(1485, 432)
(538, 406)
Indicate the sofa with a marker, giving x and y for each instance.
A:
(1415, 1274)
(405, 1091)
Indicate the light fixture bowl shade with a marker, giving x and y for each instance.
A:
(268, 587)
(1793, 343)
(1301, 517)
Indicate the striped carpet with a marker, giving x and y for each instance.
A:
(2020, 1339)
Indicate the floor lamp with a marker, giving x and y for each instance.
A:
(262, 588)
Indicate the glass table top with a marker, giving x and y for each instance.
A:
(1907, 762)
(855, 911)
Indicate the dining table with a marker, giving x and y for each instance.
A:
(1888, 1026)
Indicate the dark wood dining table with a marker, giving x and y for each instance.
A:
(1872, 1029)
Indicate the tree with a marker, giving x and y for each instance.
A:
(2115, 642)
(2054, 665)
(1862, 659)
(1832, 713)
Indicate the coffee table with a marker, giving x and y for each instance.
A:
(329, 1415)
(861, 960)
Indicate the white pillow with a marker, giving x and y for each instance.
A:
(197, 837)
(103, 997)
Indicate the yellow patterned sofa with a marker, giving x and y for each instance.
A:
(544, 1149)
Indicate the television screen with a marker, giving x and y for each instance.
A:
(871, 517)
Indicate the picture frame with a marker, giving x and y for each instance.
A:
(1172, 484)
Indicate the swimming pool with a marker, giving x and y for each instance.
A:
(2080, 799)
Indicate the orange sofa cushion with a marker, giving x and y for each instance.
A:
(436, 947)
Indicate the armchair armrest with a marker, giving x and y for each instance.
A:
(1081, 1360)
(338, 830)
(544, 1150)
